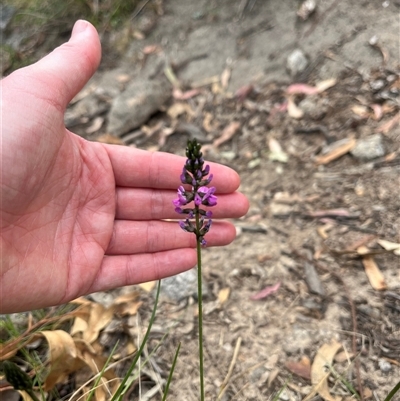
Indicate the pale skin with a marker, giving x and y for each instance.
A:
(79, 217)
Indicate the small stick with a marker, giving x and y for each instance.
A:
(225, 383)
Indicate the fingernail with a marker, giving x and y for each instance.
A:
(79, 27)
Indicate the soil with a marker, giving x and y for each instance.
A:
(307, 219)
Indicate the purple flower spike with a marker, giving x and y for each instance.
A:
(197, 175)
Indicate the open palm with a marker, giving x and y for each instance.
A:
(78, 216)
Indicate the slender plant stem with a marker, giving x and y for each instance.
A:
(200, 304)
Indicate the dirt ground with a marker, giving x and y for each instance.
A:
(319, 209)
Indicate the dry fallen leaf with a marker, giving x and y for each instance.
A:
(323, 230)
(149, 286)
(301, 89)
(62, 356)
(372, 271)
(99, 317)
(361, 111)
(320, 373)
(322, 86)
(179, 95)
(390, 246)
(336, 152)
(266, 292)
(178, 109)
(304, 89)
(293, 110)
(227, 134)
(87, 355)
(223, 295)
(276, 151)
(301, 368)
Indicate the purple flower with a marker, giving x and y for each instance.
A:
(197, 200)
(209, 199)
(182, 198)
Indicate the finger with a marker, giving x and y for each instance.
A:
(151, 204)
(141, 169)
(59, 76)
(118, 271)
(156, 236)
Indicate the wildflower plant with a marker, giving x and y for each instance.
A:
(197, 220)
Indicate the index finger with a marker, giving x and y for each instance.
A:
(142, 169)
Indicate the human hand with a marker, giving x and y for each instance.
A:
(78, 216)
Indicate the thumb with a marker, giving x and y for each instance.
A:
(60, 75)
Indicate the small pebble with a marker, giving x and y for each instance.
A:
(369, 148)
(296, 62)
(384, 366)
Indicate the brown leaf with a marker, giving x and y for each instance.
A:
(390, 246)
(266, 292)
(302, 368)
(301, 89)
(337, 152)
(223, 295)
(179, 95)
(319, 372)
(293, 110)
(372, 271)
(99, 317)
(149, 286)
(330, 213)
(62, 356)
(87, 355)
(178, 109)
(227, 134)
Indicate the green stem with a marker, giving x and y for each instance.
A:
(200, 304)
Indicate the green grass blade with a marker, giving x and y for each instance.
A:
(394, 390)
(121, 388)
(171, 372)
(96, 383)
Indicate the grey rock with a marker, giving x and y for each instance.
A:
(369, 148)
(296, 62)
(313, 107)
(182, 286)
(384, 366)
(136, 104)
(312, 279)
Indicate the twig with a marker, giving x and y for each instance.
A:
(225, 383)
